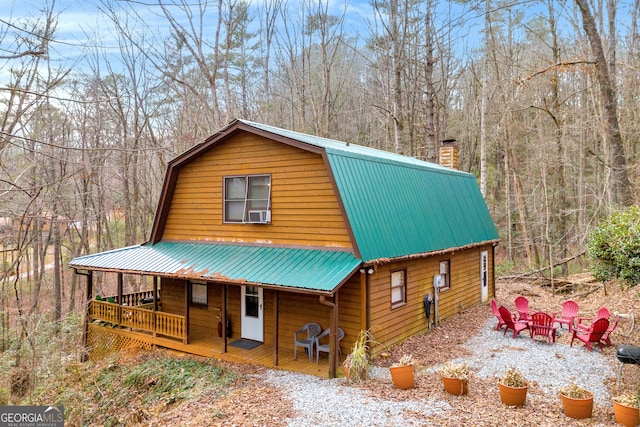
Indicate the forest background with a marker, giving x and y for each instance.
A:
(541, 96)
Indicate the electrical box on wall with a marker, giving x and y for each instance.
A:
(438, 281)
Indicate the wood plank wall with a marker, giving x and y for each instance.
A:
(295, 310)
(391, 326)
(305, 209)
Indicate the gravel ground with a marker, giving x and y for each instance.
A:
(547, 367)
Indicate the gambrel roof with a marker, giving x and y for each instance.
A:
(395, 206)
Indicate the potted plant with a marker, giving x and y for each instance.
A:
(513, 387)
(402, 372)
(356, 364)
(625, 409)
(455, 378)
(576, 401)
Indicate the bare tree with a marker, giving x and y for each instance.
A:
(621, 189)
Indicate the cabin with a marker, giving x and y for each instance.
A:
(261, 230)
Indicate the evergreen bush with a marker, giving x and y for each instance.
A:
(614, 247)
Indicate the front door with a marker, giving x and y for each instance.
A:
(252, 313)
(484, 276)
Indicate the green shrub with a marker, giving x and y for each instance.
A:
(614, 247)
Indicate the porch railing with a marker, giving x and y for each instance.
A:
(133, 299)
(171, 325)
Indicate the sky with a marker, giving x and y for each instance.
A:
(81, 25)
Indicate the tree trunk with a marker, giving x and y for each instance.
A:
(621, 191)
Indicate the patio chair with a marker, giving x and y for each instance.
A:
(582, 322)
(325, 347)
(593, 334)
(542, 325)
(567, 315)
(612, 326)
(496, 312)
(522, 306)
(511, 322)
(312, 331)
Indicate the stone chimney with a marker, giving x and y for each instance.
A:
(449, 153)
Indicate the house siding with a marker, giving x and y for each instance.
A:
(391, 326)
(305, 208)
(295, 310)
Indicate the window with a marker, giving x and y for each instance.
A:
(247, 199)
(444, 274)
(398, 288)
(199, 294)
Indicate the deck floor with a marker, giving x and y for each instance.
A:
(262, 355)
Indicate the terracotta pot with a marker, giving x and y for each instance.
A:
(512, 396)
(402, 376)
(628, 416)
(455, 386)
(577, 408)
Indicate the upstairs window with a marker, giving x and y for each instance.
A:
(247, 199)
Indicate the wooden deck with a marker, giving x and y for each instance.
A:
(212, 346)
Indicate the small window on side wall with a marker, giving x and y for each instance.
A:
(444, 274)
(199, 296)
(398, 288)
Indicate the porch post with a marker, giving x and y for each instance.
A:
(333, 339)
(155, 304)
(276, 297)
(87, 314)
(120, 285)
(187, 298)
(223, 315)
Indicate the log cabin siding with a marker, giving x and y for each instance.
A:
(304, 206)
(295, 310)
(391, 326)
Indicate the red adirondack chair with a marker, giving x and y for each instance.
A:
(567, 315)
(496, 312)
(511, 322)
(542, 325)
(612, 326)
(522, 305)
(603, 313)
(593, 334)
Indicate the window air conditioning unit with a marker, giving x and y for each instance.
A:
(259, 217)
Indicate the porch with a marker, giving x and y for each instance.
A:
(119, 338)
(115, 327)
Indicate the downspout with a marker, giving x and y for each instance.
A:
(333, 325)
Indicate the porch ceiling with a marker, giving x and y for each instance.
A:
(304, 269)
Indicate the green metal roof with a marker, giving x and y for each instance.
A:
(398, 205)
(304, 269)
(395, 206)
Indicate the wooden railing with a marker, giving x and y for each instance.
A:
(133, 299)
(171, 325)
(140, 318)
(103, 310)
(137, 318)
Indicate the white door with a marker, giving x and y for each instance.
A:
(484, 276)
(252, 313)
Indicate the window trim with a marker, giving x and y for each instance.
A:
(246, 201)
(446, 275)
(403, 287)
(192, 303)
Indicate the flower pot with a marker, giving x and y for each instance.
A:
(628, 416)
(577, 408)
(402, 376)
(455, 386)
(512, 396)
